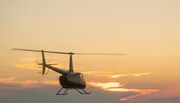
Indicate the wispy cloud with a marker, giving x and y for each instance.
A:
(32, 63)
(29, 63)
(99, 72)
(28, 66)
(167, 93)
(107, 86)
(140, 93)
(6, 78)
(136, 74)
(11, 83)
(27, 83)
(116, 87)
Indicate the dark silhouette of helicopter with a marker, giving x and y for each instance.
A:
(68, 79)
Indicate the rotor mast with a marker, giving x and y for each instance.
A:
(71, 70)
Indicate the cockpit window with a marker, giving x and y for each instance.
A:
(82, 77)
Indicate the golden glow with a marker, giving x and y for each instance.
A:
(104, 86)
(32, 63)
(119, 75)
(28, 66)
(27, 83)
(123, 75)
(6, 79)
(141, 74)
(115, 87)
(141, 92)
(97, 72)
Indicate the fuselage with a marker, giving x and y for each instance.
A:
(69, 79)
(74, 80)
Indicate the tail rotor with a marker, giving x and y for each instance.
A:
(43, 63)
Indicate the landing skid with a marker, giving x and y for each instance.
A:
(65, 92)
(84, 92)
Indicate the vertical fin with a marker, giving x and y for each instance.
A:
(43, 63)
(71, 64)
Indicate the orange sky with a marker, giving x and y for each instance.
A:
(146, 30)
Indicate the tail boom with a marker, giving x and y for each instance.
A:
(58, 70)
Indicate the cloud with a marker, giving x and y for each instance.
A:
(28, 66)
(97, 73)
(136, 74)
(26, 83)
(6, 78)
(116, 87)
(33, 65)
(12, 83)
(29, 63)
(141, 74)
(106, 86)
(167, 93)
(140, 93)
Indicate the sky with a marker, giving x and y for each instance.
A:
(146, 30)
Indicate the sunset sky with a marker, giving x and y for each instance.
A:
(148, 31)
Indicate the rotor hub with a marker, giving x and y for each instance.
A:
(71, 53)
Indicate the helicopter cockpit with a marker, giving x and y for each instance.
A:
(77, 78)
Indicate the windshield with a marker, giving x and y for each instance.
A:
(82, 77)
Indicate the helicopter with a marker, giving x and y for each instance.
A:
(69, 79)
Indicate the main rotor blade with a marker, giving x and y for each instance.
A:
(69, 53)
(99, 54)
(19, 49)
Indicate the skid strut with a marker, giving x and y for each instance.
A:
(84, 92)
(65, 92)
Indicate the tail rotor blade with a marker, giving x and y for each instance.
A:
(43, 71)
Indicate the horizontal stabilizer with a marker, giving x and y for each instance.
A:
(48, 64)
